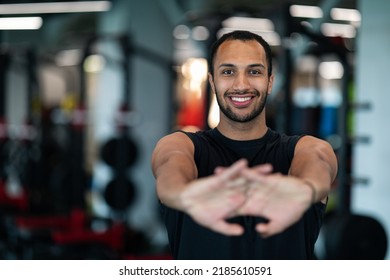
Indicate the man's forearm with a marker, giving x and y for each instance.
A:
(317, 167)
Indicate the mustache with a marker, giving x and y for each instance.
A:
(242, 92)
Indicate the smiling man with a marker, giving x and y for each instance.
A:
(242, 190)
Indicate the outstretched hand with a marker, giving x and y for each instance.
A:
(281, 199)
(239, 190)
(212, 200)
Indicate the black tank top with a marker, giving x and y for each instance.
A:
(188, 240)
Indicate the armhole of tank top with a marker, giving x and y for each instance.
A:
(194, 140)
(291, 146)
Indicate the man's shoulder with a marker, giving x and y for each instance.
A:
(196, 133)
(283, 137)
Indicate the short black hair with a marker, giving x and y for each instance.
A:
(241, 35)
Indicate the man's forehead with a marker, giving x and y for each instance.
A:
(237, 50)
(235, 46)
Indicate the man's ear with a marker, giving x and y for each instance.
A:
(270, 84)
(211, 81)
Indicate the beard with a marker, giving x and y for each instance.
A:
(228, 112)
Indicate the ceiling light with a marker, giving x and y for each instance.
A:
(345, 14)
(57, 7)
(200, 33)
(272, 38)
(261, 26)
(181, 32)
(306, 11)
(247, 23)
(331, 70)
(20, 23)
(338, 30)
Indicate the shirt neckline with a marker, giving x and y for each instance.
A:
(241, 143)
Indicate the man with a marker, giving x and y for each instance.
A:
(242, 190)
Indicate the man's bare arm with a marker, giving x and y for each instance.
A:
(173, 167)
(283, 199)
(315, 162)
(208, 200)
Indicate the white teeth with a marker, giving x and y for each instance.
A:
(241, 99)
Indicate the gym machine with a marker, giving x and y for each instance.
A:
(346, 235)
(53, 225)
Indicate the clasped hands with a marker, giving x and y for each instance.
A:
(239, 190)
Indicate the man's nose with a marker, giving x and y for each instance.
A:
(241, 82)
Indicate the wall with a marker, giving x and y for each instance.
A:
(372, 78)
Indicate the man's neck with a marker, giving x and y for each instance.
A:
(251, 130)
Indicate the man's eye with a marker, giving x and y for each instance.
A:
(227, 72)
(254, 72)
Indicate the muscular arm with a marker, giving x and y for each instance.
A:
(173, 167)
(315, 162)
(283, 199)
(208, 200)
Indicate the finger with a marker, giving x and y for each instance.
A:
(263, 230)
(238, 182)
(219, 169)
(226, 228)
(233, 171)
(253, 175)
(265, 179)
(267, 229)
(263, 168)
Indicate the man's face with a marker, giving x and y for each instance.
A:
(241, 82)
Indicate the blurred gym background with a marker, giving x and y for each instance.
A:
(88, 87)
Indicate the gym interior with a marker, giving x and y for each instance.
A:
(87, 88)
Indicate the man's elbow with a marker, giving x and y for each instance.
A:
(327, 155)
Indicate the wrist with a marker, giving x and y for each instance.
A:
(312, 189)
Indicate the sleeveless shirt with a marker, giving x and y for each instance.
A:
(189, 240)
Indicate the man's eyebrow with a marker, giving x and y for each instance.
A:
(250, 65)
(257, 65)
(226, 65)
